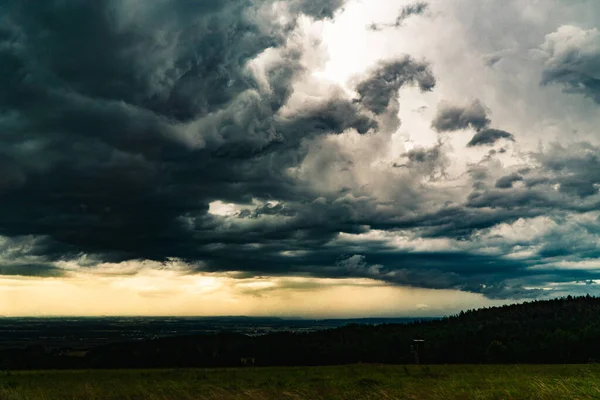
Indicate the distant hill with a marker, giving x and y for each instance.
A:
(565, 330)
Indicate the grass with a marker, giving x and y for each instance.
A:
(345, 382)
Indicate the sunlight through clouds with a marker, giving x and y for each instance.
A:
(329, 158)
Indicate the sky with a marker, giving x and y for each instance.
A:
(308, 158)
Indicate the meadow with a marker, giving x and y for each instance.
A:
(360, 381)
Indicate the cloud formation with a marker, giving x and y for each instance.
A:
(121, 134)
(451, 118)
(572, 60)
(382, 84)
(418, 8)
(489, 137)
(202, 132)
(507, 182)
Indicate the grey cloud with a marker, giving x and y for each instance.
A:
(578, 186)
(528, 202)
(575, 169)
(489, 137)
(453, 118)
(478, 172)
(420, 155)
(268, 209)
(476, 274)
(494, 58)
(122, 121)
(117, 138)
(381, 86)
(406, 12)
(319, 9)
(507, 182)
(410, 10)
(572, 59)
(31, 269)
(26, 256)
(429, 161)
(537, 181)
(357, 264)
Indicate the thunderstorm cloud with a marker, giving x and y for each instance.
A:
(213, 133)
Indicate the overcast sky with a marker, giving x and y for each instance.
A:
(297, 158)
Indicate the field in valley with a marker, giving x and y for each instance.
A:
(343, 382)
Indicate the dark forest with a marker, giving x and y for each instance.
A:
(565, 330)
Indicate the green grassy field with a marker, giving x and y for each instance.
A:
(345, 382)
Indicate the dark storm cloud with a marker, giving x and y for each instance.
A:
(496, 277)
(450, 118)
(446, 270)
(428, 161)
(537, 181)
(268, 209)
(383, 83)
(25, 256)
(406, 12)
(489, 136)
(317, 8)
(424, 155)
(507, 182)
(410, 10)
(575, 169)
(31, 269)
(120, 118)
(122, 121)
(453, 118)
(117, 138)
(573, 60)
(521, 203)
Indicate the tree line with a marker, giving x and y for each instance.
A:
(564, 330)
